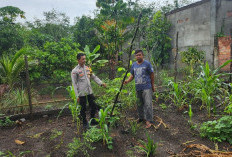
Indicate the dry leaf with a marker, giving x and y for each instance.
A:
(19, 142)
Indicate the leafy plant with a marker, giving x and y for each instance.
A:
(228, 108)
(92, 56)
(192, 57)
(218, 130)
(6, 122)
(165, 78)
(148, 147)
(163, 106)
(93, 134)
(78, 146)
(155, 38)
(56, 60)
(55, 134)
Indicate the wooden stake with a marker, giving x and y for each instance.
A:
(28, 85)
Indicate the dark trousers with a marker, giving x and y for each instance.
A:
(83, 102)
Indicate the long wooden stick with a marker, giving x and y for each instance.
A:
(128, 67)
(28, 84)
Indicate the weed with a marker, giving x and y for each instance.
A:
(93, 135)
(48, 107)
(163, 106)
(78, 146)
(130, 153)
(134, 127)
(6, 122)
(55, 134)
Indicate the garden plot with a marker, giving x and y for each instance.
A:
(50, 136)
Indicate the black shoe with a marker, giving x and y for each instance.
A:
(94, 122)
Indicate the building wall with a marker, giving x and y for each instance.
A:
(197, 25)
(224, 16)
(193, 27)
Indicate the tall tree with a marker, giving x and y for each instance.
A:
(84, 32)
(54, 27)
(112, 28)
(10, 32)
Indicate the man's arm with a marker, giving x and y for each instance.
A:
(129, 79)
(74, 83)
(152, 76)
(97, 80)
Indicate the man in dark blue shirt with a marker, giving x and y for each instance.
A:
(143, 73)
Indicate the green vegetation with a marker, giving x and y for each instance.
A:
(78, 146)
(218, 130)
(192, 57)
(148, 147)
(52, 44)
(6, 122)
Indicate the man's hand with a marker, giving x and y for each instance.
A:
(78, 99)
(104, 85)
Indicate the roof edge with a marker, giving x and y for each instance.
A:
(187, 7)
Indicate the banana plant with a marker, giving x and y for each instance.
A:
(92, 56)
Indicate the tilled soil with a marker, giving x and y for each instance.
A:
(173, 135)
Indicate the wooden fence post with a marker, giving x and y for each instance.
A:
(28, 85)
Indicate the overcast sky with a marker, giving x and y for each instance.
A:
(72, 8)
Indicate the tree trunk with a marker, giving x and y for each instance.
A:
(112, 66)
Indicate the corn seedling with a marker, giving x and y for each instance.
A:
(208, 84)
(73, 106)
(149, 148)
(102, 120)
(190, 113)
(178, 95)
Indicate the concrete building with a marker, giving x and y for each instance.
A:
(198, 24)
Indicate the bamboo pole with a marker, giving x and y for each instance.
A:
(116, 97)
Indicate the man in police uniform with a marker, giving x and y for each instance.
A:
(81, 76)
